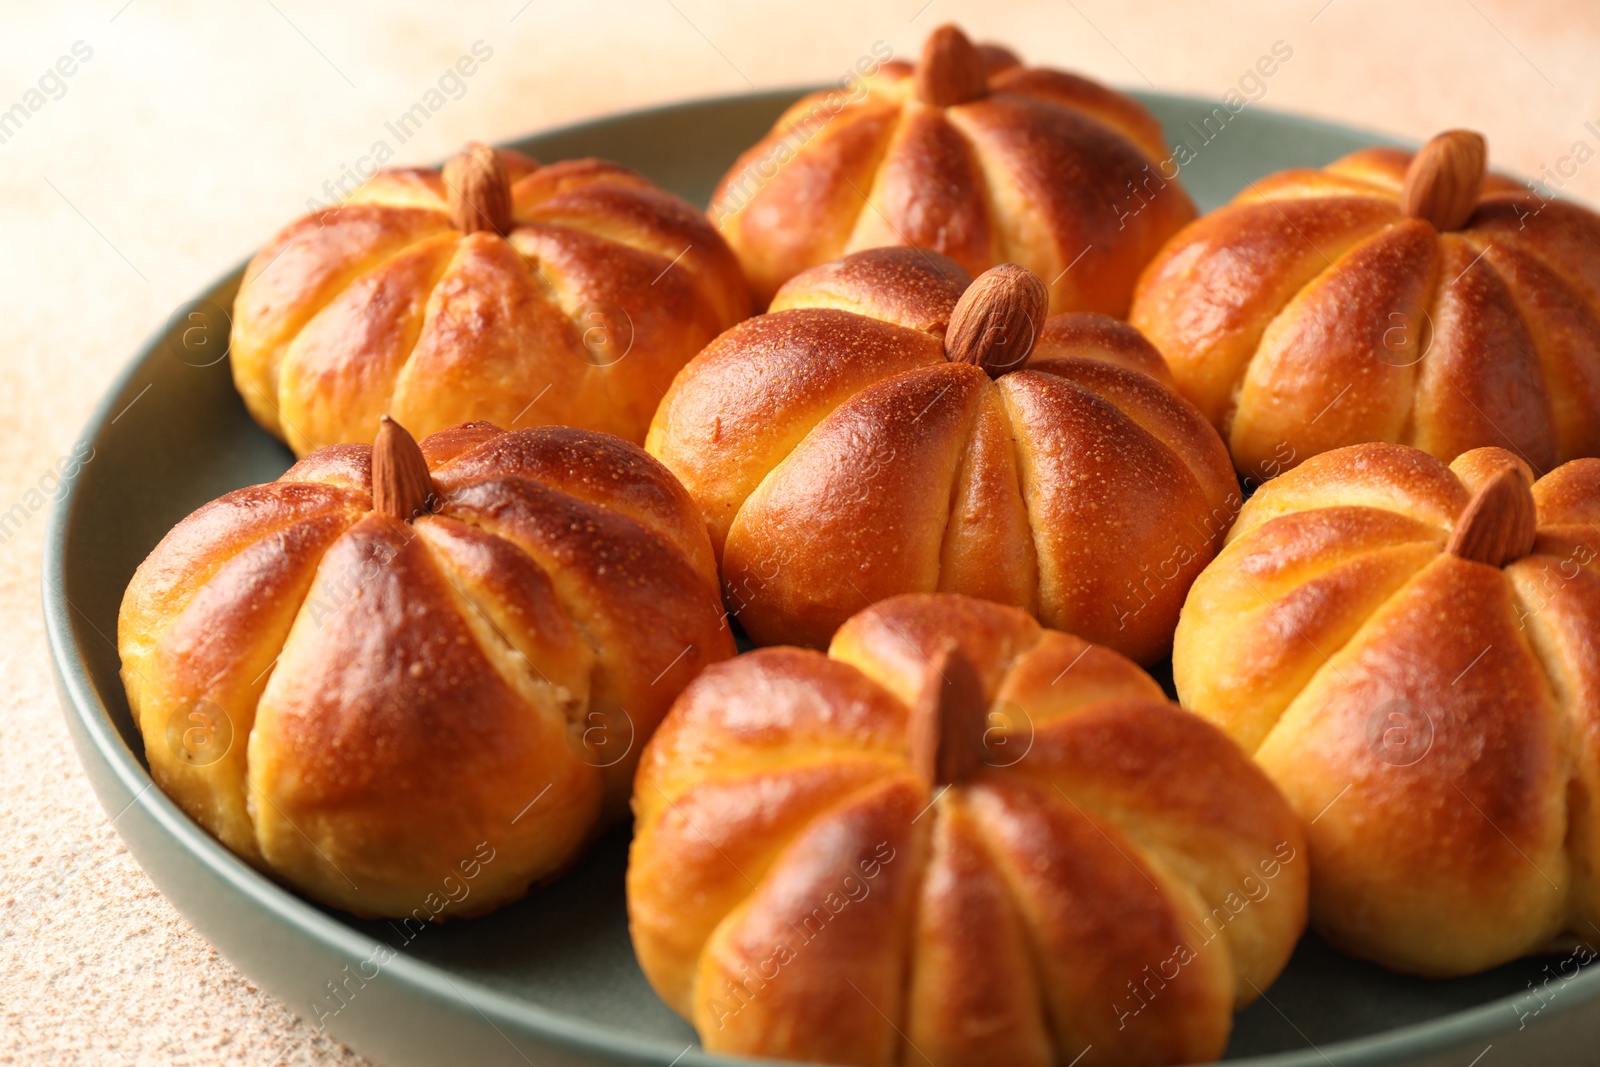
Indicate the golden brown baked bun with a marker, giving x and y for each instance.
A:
(867, 438)
(1411, 652)
(958, 838)
(410, 683)
(968, 153)
(1392, 297)
(496, 289)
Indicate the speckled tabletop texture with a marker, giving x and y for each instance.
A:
(189, 132)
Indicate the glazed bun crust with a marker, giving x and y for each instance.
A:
(379, 702)
(601, 289)
(797, 891)
(840, 458)
(1431, 716)
(1311, 313)
(1042, 168)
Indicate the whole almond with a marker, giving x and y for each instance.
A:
(948, 719)
(1499, 524)
(401, 485)
(998, 319)
(1445, 178)
(951, 70)
(477, 190)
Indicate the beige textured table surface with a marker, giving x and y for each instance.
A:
(193, 130)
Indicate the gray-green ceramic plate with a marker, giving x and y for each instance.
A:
(552, 980)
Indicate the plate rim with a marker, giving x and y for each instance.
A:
(95, 736)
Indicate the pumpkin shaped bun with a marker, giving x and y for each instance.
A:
(494, 289)
(890, 428)
(957, 838)
(1413, 299)
(410, 682)
(969, 153)
(1410, 651)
